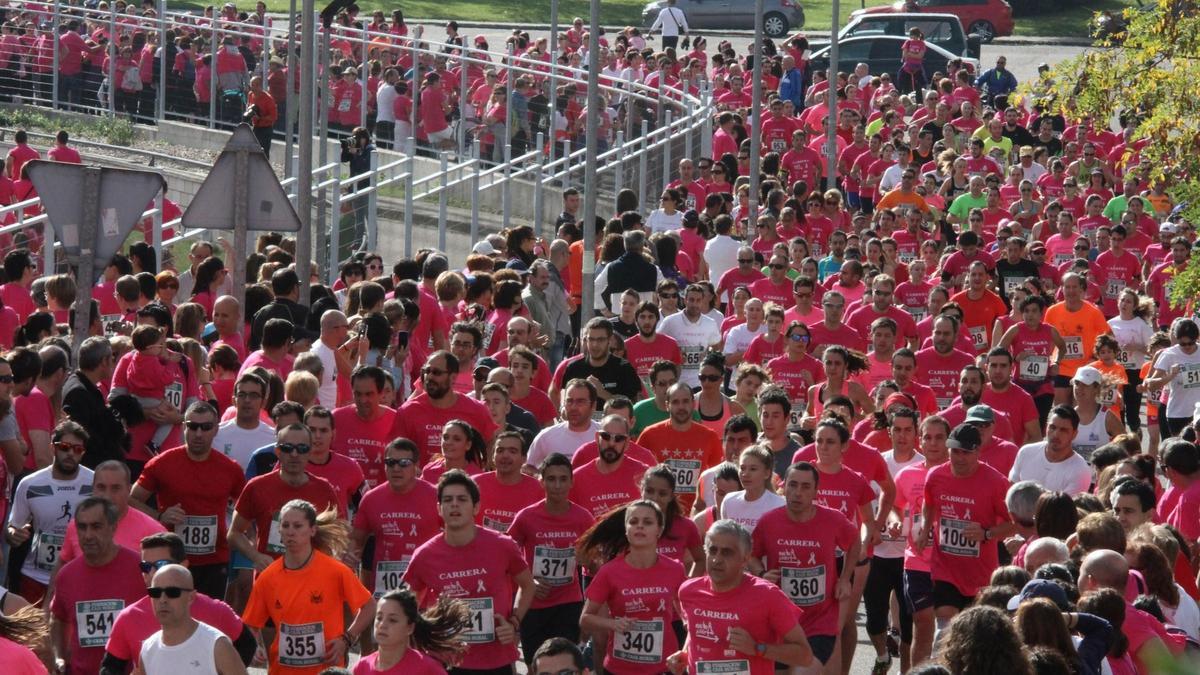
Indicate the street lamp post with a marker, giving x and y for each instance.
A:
(831, 73)
(756, 115)
(590, 184)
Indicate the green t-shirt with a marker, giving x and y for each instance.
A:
(1115, 208)
(965, 202)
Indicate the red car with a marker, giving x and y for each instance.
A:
(989, 18)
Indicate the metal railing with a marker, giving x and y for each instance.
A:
(674, 122)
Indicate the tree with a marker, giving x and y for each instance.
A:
(1146, 77)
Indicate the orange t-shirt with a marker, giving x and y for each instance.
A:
(979, 317)
(686, 453)
(308, 608)
(1111, 396)
(1079, 331)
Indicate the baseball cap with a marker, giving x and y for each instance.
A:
(1087, 375)
(484, 366)
(484, 248)
(1040, 588)
(1169, 228)
(691, 216)
(980, 414)
(965, 437)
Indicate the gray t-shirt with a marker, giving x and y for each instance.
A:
(8, 427)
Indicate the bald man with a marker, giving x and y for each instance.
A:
(227, 319)
(522, 331)
(1104, 568)
(333, 348)
(183, 640)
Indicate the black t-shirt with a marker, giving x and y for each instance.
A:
(1054, 146)
(616, 376)
(1008, 274)
(1019, 136)
(625, 330)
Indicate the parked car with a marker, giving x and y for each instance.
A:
(941, 30)
(881, 53)
(779, 16)
(989, 19)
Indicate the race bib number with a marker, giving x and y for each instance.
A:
(952, 538)
(94, 620)
(1033, 368)
(388, 574)
(978, 337)
(1108, 396)
(495, 525)
(690, 201)
(199, 534)
(687, 474)
(1011, 284)
(1113, 288)
(1127, 360)
(907, 256)
(344, 105)
(1191, 376)
(692, 356)
(301, 644)
(1074, 347)
(918, 313)
(779, 145)
(483, 621)
(817, 250)
(46, 550)
(737, 667)
(173, 394)
(799, 406)
(642, 643)
(1062, 259)
(554, 566)
(274, 542)
(804, 586)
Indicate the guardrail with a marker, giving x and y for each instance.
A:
(651, 124)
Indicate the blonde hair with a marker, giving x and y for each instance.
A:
(333, 534)
(301, 386)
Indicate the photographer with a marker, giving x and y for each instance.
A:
(357, 151)
(261, 114)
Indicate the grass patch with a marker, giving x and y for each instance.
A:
(113, 131)
(1066, 21)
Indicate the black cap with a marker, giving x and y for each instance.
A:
(484, 366)
(965, 437)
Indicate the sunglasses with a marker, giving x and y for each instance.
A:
(777, 266)
(200, 426)
(148, 567)
(293, 448)
(709, 378)
(7, 379)
(618, 438)
(745, 261)
(435, 372)
(796, 337)
(172, 592)
(668, 296)
(74, 448)
(402, 463)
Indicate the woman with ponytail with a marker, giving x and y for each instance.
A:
(408, 638)
(22, 634)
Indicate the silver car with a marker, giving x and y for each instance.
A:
(779, 16)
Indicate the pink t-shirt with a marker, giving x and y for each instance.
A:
(910, 499)
(548, 541)
(940, 372)
(87, 601)
(1186, 515)
(500, 503)
(343, 473)
(601, 492)
(1017, 404)
(20, 660)
(131, 529)
(806, 556)
(756, 606)
(363, 440)
(419, 420)
(957, 502)
(680, 538)
(148, 375)
(412, 663)
(481, 574)
(180, 393)
(281, 368)
(34, 413)
(18, 298)
(137, 622)
(400, 524)
(648, 597)
(796, 377)
(641, 354)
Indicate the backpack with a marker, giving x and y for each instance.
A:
(131, 79)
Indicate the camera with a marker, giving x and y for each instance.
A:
(250, 114)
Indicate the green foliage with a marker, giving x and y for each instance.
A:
(110, 130)
(1148, 73)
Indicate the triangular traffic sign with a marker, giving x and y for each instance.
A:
(269, 208)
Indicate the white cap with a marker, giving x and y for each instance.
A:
(484, 248)
(1088, 375)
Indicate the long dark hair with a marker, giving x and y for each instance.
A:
(606, 539)
(206, 274)
(437, 629)
(477, 452)
(672, 512)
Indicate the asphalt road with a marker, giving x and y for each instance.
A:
(1023, 60)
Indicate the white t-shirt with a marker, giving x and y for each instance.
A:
(1072, 476)
(659, 221)
(327, 391)
(740, 336)
(385, 97)
(694, 340)
(1135, 331)
(1185, 388)
(721, 255)
(238, 443)
(193, 656)
(559, 438)
(888, 547)
(47, 505)
(735, 507)
(1186, 615)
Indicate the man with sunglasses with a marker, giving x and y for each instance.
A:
(92, 590)
(422, 417)
(182, 638)
(139, 621)
(612, 479)
(42, 506)
(194, 509)
(399, 515)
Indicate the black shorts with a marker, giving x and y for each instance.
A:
(918, 590)
(822, 646)
(947, 594)
(1062, 382)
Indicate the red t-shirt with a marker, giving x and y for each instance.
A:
(648, 597)
(843, 335)
(682, 536)
(956, 502)
(365, 440)
(548, 541)
(420, 421)
(599, 492)
(1017, 404)
(500, 503)
(481, 574)
(265, 495)
(806, 556)
(791, 375)
(87, 601)
(756, 606)
(862, 318)
(172, 477)
(343, 473)
(641, 354)
(940, 372)
(400, 523)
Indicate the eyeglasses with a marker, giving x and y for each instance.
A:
(777, 266)
(248, 394)
(1082, 248)
(148, 567)
(668, 296)
(434, 372)
(719, 171)
(709, 378)
(172, 592)
(199, 426)
(74, 448)
(402, 463)
(745, 261)
(803, 295)
(293, 448)
(616, 438)
(7, 379)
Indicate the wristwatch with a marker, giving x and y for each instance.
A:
(760, 650)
